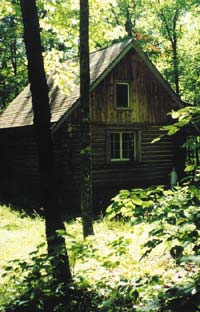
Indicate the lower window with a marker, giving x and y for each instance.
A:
(123, 146)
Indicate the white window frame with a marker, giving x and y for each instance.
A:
(121, 146)
(122, 83)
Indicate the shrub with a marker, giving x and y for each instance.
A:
(134, 205)
(32, 288)
(174, 216)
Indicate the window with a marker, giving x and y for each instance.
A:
(122, 95)
(123, 146)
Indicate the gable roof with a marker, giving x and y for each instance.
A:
(19, 111)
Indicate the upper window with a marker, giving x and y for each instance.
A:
(122, 95)
(122, 146)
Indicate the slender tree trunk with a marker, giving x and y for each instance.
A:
(175, 53)
(197, 151)
(175, 66)
(128, 24)
(172, 37)
(13, 54)
(85, 153)
(40, 102)
(13, 51)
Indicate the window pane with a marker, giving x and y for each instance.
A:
(115, 145)
(121, 95)
(128, 145)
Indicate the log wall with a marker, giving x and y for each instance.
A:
(156, 160)
(20, 172)
(19, 178)
(155, 164)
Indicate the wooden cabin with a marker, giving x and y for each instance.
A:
(129, 103)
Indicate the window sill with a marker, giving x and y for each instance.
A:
(123, 162)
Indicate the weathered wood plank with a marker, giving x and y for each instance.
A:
(149, 102)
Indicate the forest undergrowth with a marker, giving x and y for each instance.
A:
(144, 256)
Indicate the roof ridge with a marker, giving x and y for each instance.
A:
(101, 49)
(112, 45)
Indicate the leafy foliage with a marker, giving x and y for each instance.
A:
(115, 270)
(36, 289)
(175, 219)
(133, 205)
(144, 257)
(12, 59)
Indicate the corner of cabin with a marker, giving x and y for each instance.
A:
(128, 109)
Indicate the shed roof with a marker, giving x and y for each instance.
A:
(19, 111)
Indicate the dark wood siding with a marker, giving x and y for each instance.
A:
(156, 160)
(149, 102)
(19, 169)
(154, 167)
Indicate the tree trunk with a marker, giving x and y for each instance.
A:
(175, 54)
(128, 24)
(172, 37)
(85, 152)
(40, 102)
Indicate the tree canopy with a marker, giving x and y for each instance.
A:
(168, 31)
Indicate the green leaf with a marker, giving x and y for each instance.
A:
(147, 204)
(190, 168)
(172, 130)
(156, 140)
(193, 259)
(136, 200)
(152, 306)
(175, 114)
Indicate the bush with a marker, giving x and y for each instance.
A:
(134, 205)
(174, 216)
(32, 288)
(156, 225)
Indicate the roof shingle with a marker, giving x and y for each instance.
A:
(19, 111)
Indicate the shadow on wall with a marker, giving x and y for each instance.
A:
(15, 196)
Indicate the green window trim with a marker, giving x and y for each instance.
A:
(123, 146)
